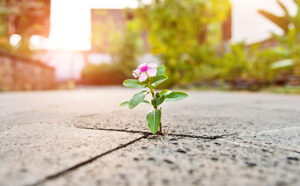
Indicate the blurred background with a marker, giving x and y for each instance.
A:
(205, 44)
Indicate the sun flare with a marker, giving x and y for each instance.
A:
(71, 21)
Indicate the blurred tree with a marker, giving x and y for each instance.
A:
(4, 25)
(281, 21)
(124, 44)
(234, 63)
(102, 74)
(114, 33)
(183, 33)
(125, 48)
(290, 43)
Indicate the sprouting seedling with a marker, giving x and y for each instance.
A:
(149, 77)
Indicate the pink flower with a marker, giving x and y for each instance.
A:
(144, 69)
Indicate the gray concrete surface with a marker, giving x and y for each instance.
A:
(83, 137)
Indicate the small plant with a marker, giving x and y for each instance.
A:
(149, 77)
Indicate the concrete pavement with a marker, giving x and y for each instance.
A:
(83, 137)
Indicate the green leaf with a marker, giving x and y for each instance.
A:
(283, 64)
(124, 104)
(157, 101)
(145, 101)
(153, 120)
(280, 21)
(165, 92)
(158, 80)
(176, 96)
(137, 99)
(279, 52)
(161, 70)
(133, 83)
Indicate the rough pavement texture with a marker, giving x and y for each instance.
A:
(185, 161)
(31, 152)
(83, 137)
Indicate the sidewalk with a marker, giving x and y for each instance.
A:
(83, 137)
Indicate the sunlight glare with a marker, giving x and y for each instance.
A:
(71, 21)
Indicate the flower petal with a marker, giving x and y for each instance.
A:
(152, 65)
(143, 77)
(141, 65)
(151, 72)
(136, 73)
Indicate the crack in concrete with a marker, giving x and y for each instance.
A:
(168, 134)
(83, 163)
(145, 135)
(203, 137)
(188, 136)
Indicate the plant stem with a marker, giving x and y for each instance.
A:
(160, 129)
(155, 107)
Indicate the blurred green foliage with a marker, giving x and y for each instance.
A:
(124, 49)
(184, 34)
(4, 27)
(187, 37)
(102, 74)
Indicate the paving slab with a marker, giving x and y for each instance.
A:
(188, 161)
(18, 108)
(254, 139)
(207, 114)
(203, 113)
(285, 138)
(32, 152)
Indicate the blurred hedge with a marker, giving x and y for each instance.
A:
(187, 37)
(103, 74)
